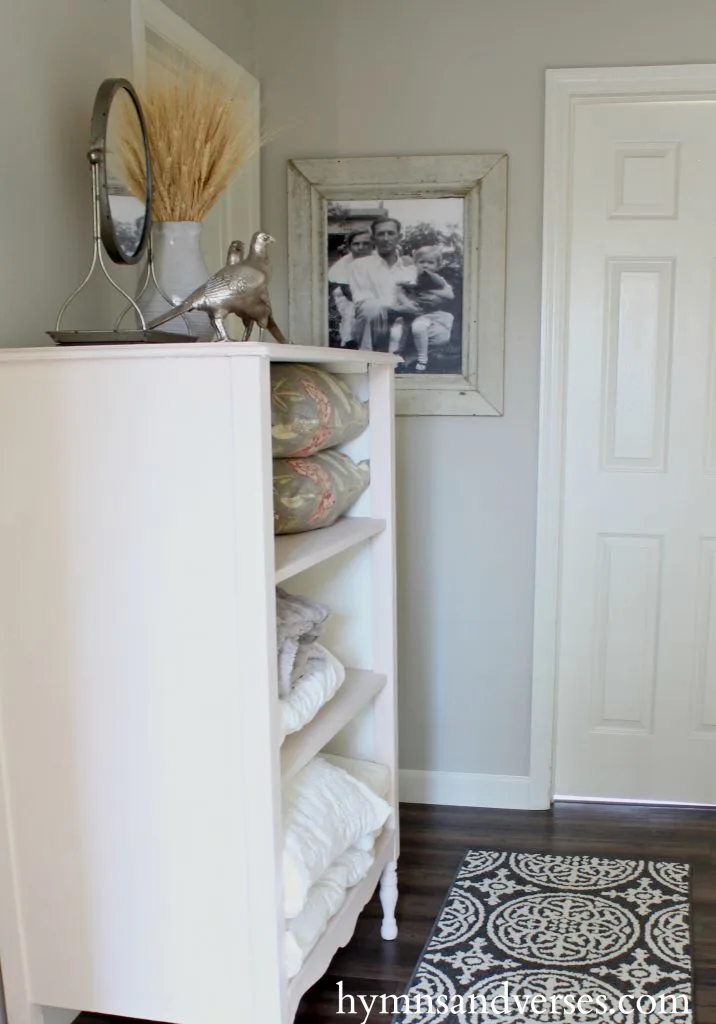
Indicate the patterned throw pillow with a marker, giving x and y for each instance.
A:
(312, 409)
(313, 492)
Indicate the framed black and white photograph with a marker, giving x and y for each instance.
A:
(405, 255)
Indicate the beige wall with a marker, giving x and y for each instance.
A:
(360, 77)
(54, 56)
(378, 77)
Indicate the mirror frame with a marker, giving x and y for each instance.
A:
(98, 151)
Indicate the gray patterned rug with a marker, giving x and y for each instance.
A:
(527, 938)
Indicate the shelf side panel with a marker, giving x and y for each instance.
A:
(120, 703)
(384, 579)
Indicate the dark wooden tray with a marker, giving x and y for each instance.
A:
(120, 338)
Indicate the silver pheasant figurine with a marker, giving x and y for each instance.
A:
(240, 287)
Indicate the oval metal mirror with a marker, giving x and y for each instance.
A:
(120, 148)
(121, 212)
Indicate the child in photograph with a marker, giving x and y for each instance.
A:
(422, 300)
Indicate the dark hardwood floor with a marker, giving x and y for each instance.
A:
(434, 840)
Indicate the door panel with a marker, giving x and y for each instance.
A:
(636, 687)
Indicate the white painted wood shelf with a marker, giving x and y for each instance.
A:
(358, 690)
(142, 766)
(298, 552)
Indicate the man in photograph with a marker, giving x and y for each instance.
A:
(359, 244)
(374, 281)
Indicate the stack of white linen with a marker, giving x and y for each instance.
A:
(308, 674)
(333, 810)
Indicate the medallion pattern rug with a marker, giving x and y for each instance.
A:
(527, 938)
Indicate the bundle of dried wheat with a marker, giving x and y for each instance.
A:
(200, 136)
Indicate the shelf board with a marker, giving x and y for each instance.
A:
(359, 688)
(342, 925)
(300, 551)
(341, 360)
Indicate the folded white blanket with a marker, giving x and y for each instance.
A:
(322, 678)
(325, 812)
(299, 622)
(324, 900)
(375, 776)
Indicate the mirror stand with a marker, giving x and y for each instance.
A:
(98, 258)
(121, 214)
(150, 274)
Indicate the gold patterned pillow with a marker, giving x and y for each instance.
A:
(312, 409)
(309, 493)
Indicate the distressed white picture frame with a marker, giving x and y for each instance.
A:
(481, 181)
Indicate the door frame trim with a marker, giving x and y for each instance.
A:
(567, 88)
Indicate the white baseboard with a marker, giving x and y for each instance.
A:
(461, 789)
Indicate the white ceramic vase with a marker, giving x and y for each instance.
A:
(180, 268)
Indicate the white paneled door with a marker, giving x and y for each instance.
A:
(636, 651)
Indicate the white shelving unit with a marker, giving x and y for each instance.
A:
(140, 764)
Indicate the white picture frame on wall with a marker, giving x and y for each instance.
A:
(449, 214)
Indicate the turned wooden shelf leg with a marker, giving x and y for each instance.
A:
(389, 900)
